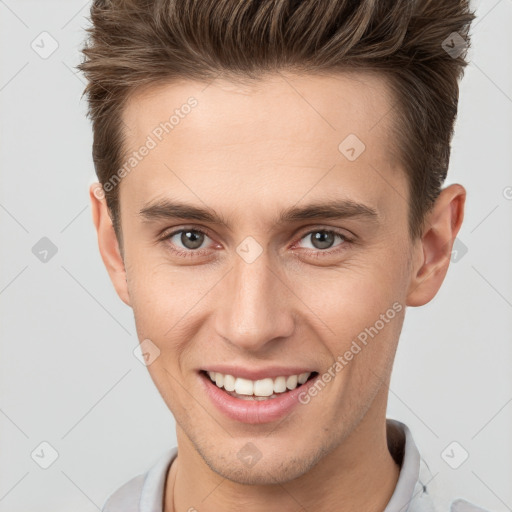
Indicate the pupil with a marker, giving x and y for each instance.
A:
(195, 240)
(323, 239)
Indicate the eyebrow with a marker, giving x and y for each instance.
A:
(167, 209)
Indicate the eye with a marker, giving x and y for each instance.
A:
(186, 241)
(322, 239)
(189, 242)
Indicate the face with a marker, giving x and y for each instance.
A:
(262, 240)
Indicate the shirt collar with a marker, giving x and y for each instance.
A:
(410, 493)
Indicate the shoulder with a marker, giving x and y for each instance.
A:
(127, 497)
(144, 491)
(461, 505)
(416, 489)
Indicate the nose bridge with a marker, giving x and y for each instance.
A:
(253, 309)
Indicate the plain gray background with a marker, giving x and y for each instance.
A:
(69, 377)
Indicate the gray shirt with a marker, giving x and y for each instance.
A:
(144, 493)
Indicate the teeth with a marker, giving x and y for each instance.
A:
(291, 382)
(280, 385)
(229, 382)
(243, 386)
(303, 377)
(259, 388)
(264, 387)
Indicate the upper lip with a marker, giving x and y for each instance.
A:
(258, 373)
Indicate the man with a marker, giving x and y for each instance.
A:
(269, 203)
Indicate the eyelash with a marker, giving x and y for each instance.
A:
(319, 253)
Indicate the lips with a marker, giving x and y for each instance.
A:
(253, 409)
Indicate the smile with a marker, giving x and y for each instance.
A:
(262, 389)
(256, 401)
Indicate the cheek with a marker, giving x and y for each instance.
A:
(363, 308)
(353, 298)
(170, 307)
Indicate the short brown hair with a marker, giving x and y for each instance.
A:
(419, 45)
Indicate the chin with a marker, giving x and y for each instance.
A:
(276, 468)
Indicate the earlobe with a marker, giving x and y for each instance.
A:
(431, 257)
(108, 243)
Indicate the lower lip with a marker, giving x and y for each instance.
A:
(254, 411)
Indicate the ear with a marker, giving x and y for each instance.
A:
(107, 242)
(431, 255)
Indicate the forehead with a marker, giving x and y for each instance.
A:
(356, 101)
(284, 129)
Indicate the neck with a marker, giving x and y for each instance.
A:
(362, 462)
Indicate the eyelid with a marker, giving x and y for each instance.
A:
(165, 233)
(348, 235)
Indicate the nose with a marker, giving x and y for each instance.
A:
(255, 305)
